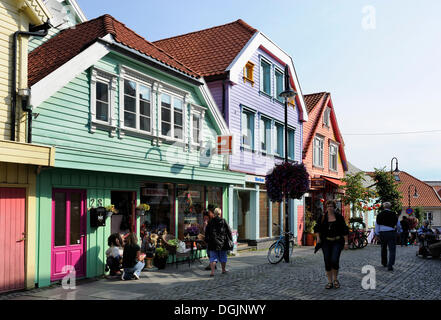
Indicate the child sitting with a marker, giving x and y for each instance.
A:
(114, 254)
(148, 247)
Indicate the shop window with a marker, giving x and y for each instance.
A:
(214, 196)
(248, 72)
(276, 207)
(263, 214)
(191, 204)
(160, 198)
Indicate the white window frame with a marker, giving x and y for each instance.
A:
(276, 142)
(270, 94)
(333, 145)
(267, 133)
(327, 117)
(316, 162)
(197, 111)
(110, 80)
(277, 69)
(172, 95)
(293, 143)
(137, 106)
(252, 147)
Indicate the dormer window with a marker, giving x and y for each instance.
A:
(326, 117)
(248, 72)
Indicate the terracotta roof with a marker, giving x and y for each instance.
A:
(311, 100)
(70, 42)
(210, 51)
(427, 196)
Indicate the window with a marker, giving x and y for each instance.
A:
(278, 140)
(279, 84)
(265, 134)
(265, 75)
(333, 155)
(102, 101)
(172, 117)
(137, 106)
(291, 142)
(196, 128)
(248, 72)
(318, 152)
(248, 129)
(326, 117)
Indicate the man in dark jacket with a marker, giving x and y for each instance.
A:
(385, 227)
(404, 231)
(218, 238)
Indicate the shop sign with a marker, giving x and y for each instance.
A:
(317, 183)
(255, 179)
(155, 192)
(192, 194)
(225, 145)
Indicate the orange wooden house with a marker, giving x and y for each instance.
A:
(323, 155)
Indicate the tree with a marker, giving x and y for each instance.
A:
(356, 194)
(387, 189)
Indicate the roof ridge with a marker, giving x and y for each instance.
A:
(144, 39)
(310, 94)
(239, 21)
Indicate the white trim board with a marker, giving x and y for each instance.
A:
(55, 81)
(259, 39)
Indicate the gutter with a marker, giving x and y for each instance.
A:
(35, 31)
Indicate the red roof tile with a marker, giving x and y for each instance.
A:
(209, 51)
(427, 196)
(311, 100)
(70, 42)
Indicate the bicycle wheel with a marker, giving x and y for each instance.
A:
(363, 242)
(275, 252)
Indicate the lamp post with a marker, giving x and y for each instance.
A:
(415, 194)
(287, 93)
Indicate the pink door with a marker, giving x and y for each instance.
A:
(68, 233)
(12, 238)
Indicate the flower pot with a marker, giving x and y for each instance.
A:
(160, 262)
(310, 239)
(139, 212)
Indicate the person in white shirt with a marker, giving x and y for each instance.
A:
(114, 254)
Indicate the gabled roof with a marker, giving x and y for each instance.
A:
(210, 51)
(427, 196)
(70, 42)
(322, 100)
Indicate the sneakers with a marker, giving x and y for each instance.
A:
(136, 276)
(122, 276)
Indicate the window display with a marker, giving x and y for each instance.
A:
(160, 197)
(191, 203)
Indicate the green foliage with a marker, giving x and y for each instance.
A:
(419, 214)
(387, 189)
(161, 253)
(309, 222)
(173, 242)
(355, 193)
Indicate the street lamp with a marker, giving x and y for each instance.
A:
(287, 93)
(415, 194)
(396, 165)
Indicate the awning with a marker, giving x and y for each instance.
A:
(337, 182)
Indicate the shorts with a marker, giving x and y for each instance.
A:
(218, 256)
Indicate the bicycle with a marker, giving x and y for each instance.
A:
(277, 249)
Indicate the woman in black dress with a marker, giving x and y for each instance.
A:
(332, 232)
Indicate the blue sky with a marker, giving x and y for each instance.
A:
(384, 79)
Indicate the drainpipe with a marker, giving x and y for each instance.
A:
(223, 99)
(36, 31)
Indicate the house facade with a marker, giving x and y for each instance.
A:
(131, 125)
(244, 70)
(323, 155)
(19, 159)
(417, 193)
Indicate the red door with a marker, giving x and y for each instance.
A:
(68, 233)
(12, 238)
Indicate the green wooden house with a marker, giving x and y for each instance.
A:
(130, 124)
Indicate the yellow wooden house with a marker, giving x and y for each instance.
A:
(20, 161)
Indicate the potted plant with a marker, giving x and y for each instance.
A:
(309, 228)
(141, 209)
(160, 260)
(110, 210)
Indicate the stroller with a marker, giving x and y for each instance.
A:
(426, 243)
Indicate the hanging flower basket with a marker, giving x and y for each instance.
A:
(287, 180)
(142, 209)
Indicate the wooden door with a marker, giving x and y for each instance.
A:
(68, 233)
(12, 238)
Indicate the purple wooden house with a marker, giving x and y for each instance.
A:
(244, 70)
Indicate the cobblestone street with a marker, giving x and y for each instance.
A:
(251, 277)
